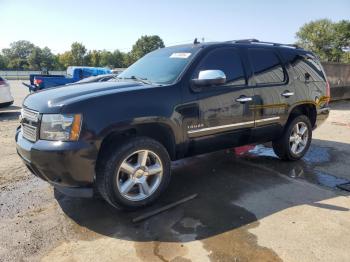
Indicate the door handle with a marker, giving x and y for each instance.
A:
(243, 99)
(287, 94)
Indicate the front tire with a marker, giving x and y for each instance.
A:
(295, 140)
(134, 174)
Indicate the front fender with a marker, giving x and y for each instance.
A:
(123, 126)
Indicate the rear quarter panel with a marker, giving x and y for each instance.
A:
(312, 92)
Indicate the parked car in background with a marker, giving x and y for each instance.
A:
(118, 137)
(6, 98)
(99, 78)
(74, 74)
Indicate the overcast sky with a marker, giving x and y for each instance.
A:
(103, 24)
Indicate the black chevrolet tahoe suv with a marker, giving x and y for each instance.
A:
(117, 139)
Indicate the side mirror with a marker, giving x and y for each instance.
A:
(209, 78)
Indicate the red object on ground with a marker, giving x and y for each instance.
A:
(243, 149)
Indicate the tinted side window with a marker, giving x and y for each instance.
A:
(307, 68)
(266, 66)
(227, 60)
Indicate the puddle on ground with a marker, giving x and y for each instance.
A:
(237, 244)
(208, 227)
(303, 169)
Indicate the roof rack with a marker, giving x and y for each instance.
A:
(256, 41)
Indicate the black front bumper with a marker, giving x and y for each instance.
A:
(68, 166)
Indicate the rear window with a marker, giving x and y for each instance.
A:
(267, 67)
(307, 68)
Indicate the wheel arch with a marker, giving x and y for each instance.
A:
(160, 132)
(308, 109)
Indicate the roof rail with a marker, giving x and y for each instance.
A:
(249, 40)
(256, 41)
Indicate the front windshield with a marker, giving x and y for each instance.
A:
(162, 66)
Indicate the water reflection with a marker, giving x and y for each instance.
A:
(301, 169)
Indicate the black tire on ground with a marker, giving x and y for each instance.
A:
(282, 146)
(108, 168)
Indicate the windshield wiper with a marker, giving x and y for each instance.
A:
(142, 80)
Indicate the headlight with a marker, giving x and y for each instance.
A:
(60, 127)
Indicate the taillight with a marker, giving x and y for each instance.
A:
(328, 91)
(37, 82)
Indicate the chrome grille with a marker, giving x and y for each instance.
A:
(30, 115)
(29, 132)
(30, 124)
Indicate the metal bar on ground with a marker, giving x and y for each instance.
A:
(345, 186)
(162, 209)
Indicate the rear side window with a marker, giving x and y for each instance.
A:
(266, 66)
(307, 68)
(227, 60)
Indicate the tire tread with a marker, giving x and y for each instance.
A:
(106, 169)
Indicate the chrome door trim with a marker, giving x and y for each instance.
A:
(219, 127)
(267, 119)
(205, 129)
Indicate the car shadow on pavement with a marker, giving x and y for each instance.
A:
(233, 192)
(10, 115)
(340, 105)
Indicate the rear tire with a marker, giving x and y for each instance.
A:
(134, 174)
(295, 140)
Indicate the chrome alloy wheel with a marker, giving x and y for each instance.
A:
(139, 175)
(298, 138)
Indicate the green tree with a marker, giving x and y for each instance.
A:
(144, 45)
(47, 58)
(78, 52)
(93, 58)
(342, 41)
(326, 39)
(119, 59)
(56, 64)
(3, 62)
(41, 59)
(128, 60)
(107, 59)
(18, 54)
(65, 59)
(35, 58)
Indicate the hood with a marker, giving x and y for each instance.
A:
(51, 100)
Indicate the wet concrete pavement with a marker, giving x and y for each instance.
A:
(250, 207)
